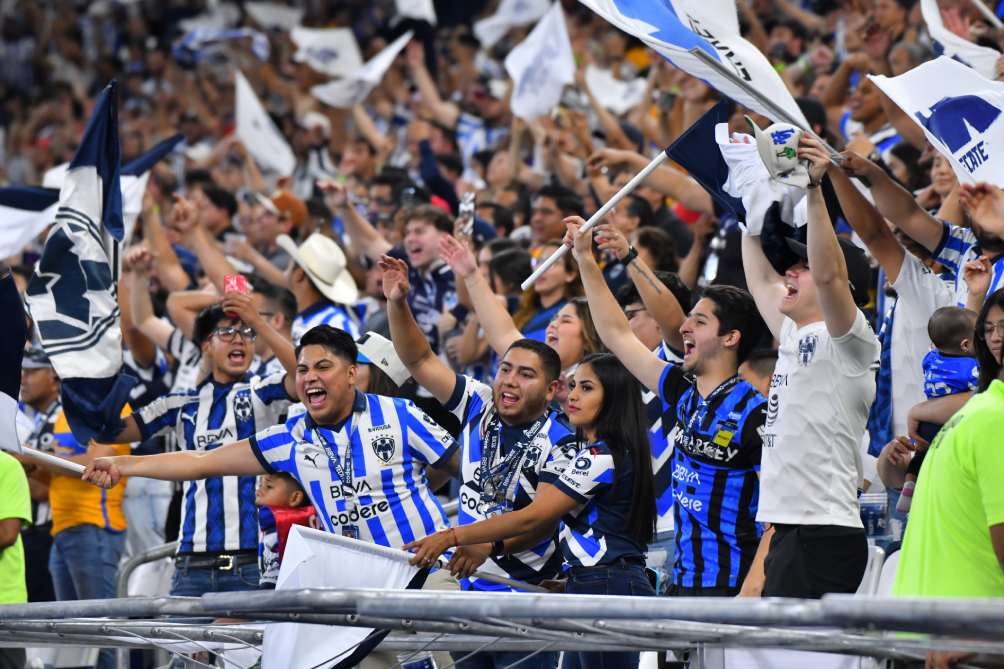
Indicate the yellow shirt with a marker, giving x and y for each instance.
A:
(74, 502)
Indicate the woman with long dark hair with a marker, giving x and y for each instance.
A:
(605, 499)
(989, 338)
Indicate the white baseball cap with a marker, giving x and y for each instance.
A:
(324, 262)
(778, 148)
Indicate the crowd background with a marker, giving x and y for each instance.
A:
(390, 175)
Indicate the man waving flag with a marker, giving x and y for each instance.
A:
(674, 27)
(72, 295)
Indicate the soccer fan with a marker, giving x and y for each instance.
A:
(821, 392)
(713, 421)
(15, 512)
(511, 443)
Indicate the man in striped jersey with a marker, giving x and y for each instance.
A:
(511, 442)
(322, 285)
(217, 549)
(713, 419)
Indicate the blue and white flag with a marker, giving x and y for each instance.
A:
(960, 113)
(330, 51)
(351, 90)
(71, 296)
(193, 46)
(674, 27)
(541, 66)
(981, 58)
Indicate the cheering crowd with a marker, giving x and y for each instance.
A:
(691, 401)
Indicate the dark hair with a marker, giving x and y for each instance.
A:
(621, 423)
(512, 267)
(221, 198)
(501, 217)
(522, 204)
(500, 244)
(591, 342)
(430, 214)
(948, 326)
(207, 321)
(629, 293)
(990, 367)
(762, 361)
(288, 478)
(281, 298)
(549, 360)
(565, 199)
(529, 302)
(638, 207)
(450, 161)
(337, 341)
(660, 246)
(735, 310)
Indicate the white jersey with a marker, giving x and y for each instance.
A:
(820, 395)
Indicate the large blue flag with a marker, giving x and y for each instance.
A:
(72, 294)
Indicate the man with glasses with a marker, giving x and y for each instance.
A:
(218, 544)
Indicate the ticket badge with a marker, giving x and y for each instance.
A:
(350, 531)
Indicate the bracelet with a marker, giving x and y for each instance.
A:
(812, 185)
(629, 257)
(498, 548)
(453, 533)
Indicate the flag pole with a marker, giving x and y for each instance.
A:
(778, 113)
(988, 14)
(50, 460)
(598, 216)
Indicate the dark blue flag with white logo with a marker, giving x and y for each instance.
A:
(72, 296)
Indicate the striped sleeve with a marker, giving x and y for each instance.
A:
(271, 388)
(562, 452)
(468, 399)
(955, 243)
(590, 473)
(160, 415)
(274, 449)
(426, 439)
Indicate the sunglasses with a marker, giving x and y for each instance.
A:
(227, 334)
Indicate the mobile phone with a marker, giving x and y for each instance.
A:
(235, 283)
(466, 212)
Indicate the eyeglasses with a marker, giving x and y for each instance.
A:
(227, 334)
(990, 328)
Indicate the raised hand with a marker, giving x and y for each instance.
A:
(812, 150)
(985, 204)
(137, 259)
(581, 242)
(457, 256)
(395, 278)
(335, 195)
(609, 238)
(856, 166)
(242, 305)
(102, 472)
(976, 274)
(183, 217)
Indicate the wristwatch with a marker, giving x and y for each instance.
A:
(498, 549)
(629, 257)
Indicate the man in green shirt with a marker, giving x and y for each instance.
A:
(954, 543)
(15, 511)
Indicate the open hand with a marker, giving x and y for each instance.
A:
(102, 472)
(985, 204)
(458, 256)
(395, 278)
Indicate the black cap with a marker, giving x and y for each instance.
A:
(35, 358)
(859, 271)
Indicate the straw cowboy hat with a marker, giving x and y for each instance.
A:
(324, 262)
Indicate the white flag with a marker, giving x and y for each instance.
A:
(417, 9)
(980, 58)
(540, 66)
(614, 94)
(274, 15)
(330, 51)
(352, 90)
(960, 113)
(258, 133)
(15, 427)
(315, 559)
(510, 14)
(674, 27)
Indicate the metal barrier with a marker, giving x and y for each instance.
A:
(134, 562)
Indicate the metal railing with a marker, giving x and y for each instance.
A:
(134, 562)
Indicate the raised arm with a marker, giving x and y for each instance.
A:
(143, 318)
(410, 343)
(610, 321)
(495, 320)
(446, 113)
(169, 271)
(895, 202)
(826, 260)
(183, 308)
(211, 257)
(143, 349)
(764, 284)
(235, 459)
(241, 304)
(364, 239)
(666, 180)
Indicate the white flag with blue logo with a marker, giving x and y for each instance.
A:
(960, 113)
(351, 90)
(981, 58)
(674, 27)
(540, 66)
(330, 51)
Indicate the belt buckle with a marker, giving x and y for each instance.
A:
(227, 563)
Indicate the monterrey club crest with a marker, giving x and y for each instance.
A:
(242, 406)
(384, 448)
(806, 349)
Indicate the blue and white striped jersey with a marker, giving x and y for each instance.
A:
(217, 514)
(545, 458)
(325, 313)
(595, 533)
(949, 374)
(957, 247)
(662, 447)
(377, 490)
(475, 134)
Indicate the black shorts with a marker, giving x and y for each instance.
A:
(808, 561)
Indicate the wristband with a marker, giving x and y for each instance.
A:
(453, 533)
(498, 548)
(629, 257)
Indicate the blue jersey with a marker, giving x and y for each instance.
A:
(716, 457)
(957, 247)
(662, 448)
(217, 514)
(366, 476)
(949, 374)
(595, 532)
(325, 313)
(545, 456)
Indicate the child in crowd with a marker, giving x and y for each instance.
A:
(949, 369)
(281, 503)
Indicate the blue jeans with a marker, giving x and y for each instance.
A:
(84, 563)
(616, 579)
(501, 660)
(197, 581)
